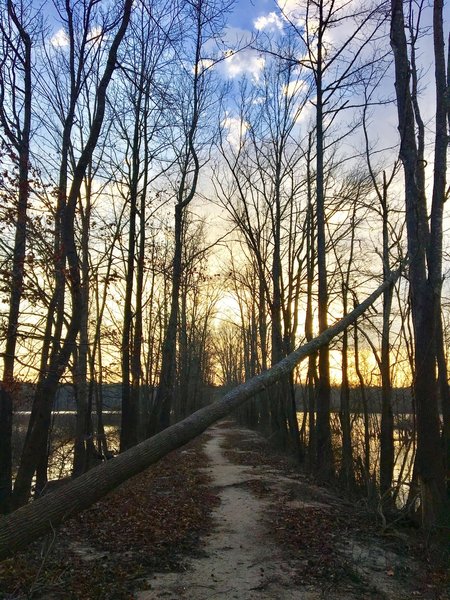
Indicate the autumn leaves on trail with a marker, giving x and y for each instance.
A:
(225, 516)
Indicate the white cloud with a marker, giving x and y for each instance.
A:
(95, 35)
(307, 112)
(295, 12)
(59, 39)
(294, 87)
(259, 100)
(272, 21)
(236, 130)
(294, 9)
(204, 64)
(291, 10)
(236, 37)
(245, 62)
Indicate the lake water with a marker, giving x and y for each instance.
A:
(404, 447)
(63, 428)
(62, 438)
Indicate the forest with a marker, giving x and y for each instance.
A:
(201, 216)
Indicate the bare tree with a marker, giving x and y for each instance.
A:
(15, 121)
(191, 147)
(139, 87)
(337, 69)
(425, 254)
(263, 200)
(32, 521)
(35, 444)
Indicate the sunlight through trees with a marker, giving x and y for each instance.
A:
(185, 202)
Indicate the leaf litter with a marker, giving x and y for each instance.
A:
(165, 521)
(150, 523)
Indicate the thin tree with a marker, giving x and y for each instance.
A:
(35, 443)
(34, 520)
(197, 100)
(15, 123)
(425, 254)
(337, 70)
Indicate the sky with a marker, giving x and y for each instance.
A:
(246, 11)
(264, 16)
(246, 17)
(249, 16)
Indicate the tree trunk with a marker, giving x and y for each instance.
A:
(438, 199)
(387, 418)
(36, 442)
(325, 461)
(128, 427)
(7, 388)
(312, 359)
(34, 520)
(444, 397)
(347, 450)
(190, 169)
(160, 419)
(362, 388)
(136, 364)
(424, 296)
(344, 415)
(280, 391)
(84, 444)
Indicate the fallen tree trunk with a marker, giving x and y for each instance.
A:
(32, 521)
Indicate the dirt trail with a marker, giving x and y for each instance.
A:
(240, 559)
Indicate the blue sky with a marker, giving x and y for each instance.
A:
(246, 11)
(267, 16)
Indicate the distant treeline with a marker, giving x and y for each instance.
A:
(112, 397)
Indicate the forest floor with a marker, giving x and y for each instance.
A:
(226, 517)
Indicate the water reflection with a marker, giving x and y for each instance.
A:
(404, 448)
(62, 435)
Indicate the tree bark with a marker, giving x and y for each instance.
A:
(437, 207)
(21, 143)
(424, 293)
(84, 448)
(160, 419)
(365, 407)
(325, 461)
(387, 418)
(128, 429)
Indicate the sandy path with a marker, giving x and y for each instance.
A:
(240, 560)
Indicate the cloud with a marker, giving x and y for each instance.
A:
(294, 87)
(95, 35)
(259, 100)
(236, 37)
(245, 62)
(60, 39)
(236, 130)
(272, 21)
(295, 12)
(291, 10)
(203, 65)
(307, 112)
